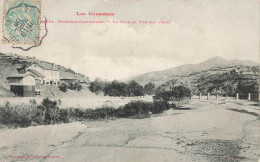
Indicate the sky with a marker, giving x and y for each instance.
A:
(198, 30)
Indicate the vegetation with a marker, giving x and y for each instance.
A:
(229, 83)
(48, 112)
(149, 88)
(97, 86)
(72, 86)
(63, 87)
(75, 86)
(178, 92)
(116, 88)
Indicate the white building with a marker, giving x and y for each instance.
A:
(22, 84)
(21, 79)
(49, 72)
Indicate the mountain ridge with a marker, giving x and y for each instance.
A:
(187, 69)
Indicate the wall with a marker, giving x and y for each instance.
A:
(28, 80)
(23, 90)
(15, 81)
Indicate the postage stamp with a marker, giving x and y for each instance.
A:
(21, 21)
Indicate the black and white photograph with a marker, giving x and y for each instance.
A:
(129, 80)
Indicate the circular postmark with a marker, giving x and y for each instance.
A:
(22, 24)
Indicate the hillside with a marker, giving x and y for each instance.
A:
(11, 64)
(216, 65)
(229, 83)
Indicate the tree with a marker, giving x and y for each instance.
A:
(115, 88)
(63, 87)
(134, 89)
(178, 92)
(247, 86)
(75, 86)
(51, 109)
(149, 88)
(96, 86)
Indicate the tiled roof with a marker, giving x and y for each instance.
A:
(47, 66)
(21, 75)
(67, 75)
(37, 73)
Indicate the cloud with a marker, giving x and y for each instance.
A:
(198, 30)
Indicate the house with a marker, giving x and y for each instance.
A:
(49, 71)
(22, 84)
(66, 77)
(38, 76)
(83, 80)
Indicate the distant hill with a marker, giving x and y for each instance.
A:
(212, 66)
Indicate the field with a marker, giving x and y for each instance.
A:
(90, 102)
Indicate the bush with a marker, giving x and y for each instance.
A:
(103, 113)
(48, 112)
(19, 116)
(178, 92)
(63, 87)
(160, 106)
(64, 115)
(76, 113)
(149, 88)
(141, 109)
(116, 88)
(97, 86)
(75, 86)
(136, 109)
(52, 111)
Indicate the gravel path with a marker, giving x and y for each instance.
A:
(209, 131)
(206, 130)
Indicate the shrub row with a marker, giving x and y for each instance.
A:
(48, 112)
(134, 109)
(72, 86)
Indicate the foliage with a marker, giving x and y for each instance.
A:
(48, 112)
(229, 84)
(75, 86)
(52, 111)
(141, 109)
(63, 87)
(181, 92)
(149, 88)
(72, 86)
(18, 116)
(116, 88)
(134, 89)
(97, 86)
(178, 92)
(246, 86)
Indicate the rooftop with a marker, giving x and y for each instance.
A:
(47, 66)
(20, 75)
(35, 72)
(67, 75)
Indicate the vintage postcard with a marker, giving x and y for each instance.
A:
(129, 80)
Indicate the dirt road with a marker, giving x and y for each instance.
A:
(205, 131)
(223, 130)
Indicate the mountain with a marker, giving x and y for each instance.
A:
(213, 65)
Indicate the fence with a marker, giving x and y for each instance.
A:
(248, 96)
